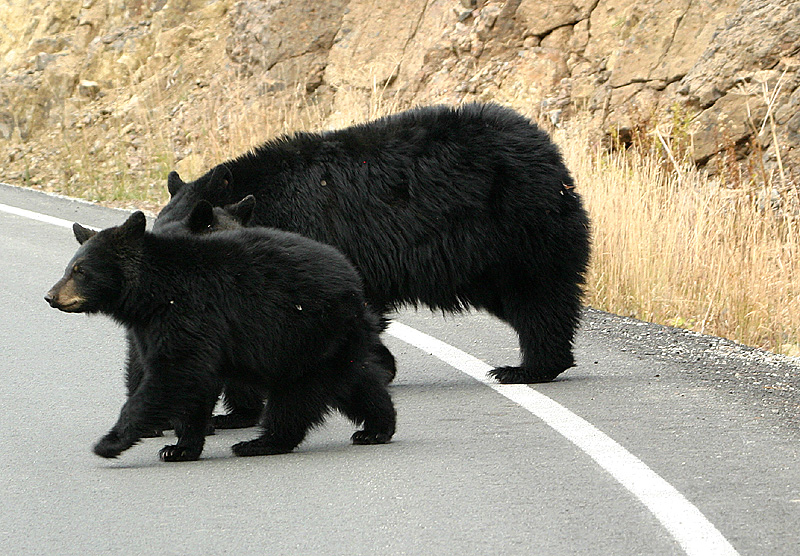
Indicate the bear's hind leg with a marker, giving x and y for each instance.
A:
(244, 405)
(288, 415)
(369, 404)
(546, 328)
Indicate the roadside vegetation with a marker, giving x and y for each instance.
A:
(676, 246)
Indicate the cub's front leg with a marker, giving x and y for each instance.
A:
(113, 444)
(191, 433)
(131, 426)
(181, 390)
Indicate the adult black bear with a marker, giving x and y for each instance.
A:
(446, 207)
(272, 310)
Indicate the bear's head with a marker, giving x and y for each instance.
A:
(94, 278)
(214, 187)
(206, 218)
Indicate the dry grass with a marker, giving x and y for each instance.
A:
(673, 246)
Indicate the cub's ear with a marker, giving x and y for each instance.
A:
(82, 234)
(201, 217)
(134, 226)
(243, 210)
(174, 183)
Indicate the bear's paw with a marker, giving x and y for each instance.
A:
(179, 453)
(521, 375)
(111, 445)
(258, 448)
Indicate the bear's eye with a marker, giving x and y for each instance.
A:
(77, 270)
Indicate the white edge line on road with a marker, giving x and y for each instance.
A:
(689, 527)
(39, 217)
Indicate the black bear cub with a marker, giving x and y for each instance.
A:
(244, 404)
(270, 310)
(206, 218)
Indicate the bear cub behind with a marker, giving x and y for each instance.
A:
(275, 312)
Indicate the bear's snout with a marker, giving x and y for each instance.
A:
(64, 297)
(54, 298)
(50, 297)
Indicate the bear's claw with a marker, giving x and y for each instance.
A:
(367, 438)
(521, 375)
(179, 453)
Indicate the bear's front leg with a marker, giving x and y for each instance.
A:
(130, 427)
(155, 400)
(192, 437)
(175, 452)
(195, 421)
(125, 432)
(134, 374)
(112, 445)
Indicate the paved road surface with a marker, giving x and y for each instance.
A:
(695, 443)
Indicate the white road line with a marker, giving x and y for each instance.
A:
(688, 526)
(38, 216)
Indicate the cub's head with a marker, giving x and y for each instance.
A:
(184, 213)
(205, 218)
(94, 278)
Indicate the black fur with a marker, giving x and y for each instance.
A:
(278, 313)
(445, 207)
(243, 405)
(206, 218)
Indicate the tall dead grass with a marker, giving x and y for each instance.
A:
(674, 246)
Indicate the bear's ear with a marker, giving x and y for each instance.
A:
(134, 226)
(201, 217)
(243, 210)
(82, 234)
(174, 183)
(221, 177)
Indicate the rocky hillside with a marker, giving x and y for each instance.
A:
(96, 92)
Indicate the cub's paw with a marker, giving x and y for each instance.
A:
(179, 453)
(258, 448)
(521, 375)
(364, 437)
(111, 445)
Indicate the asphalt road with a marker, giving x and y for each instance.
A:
(687, 445)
